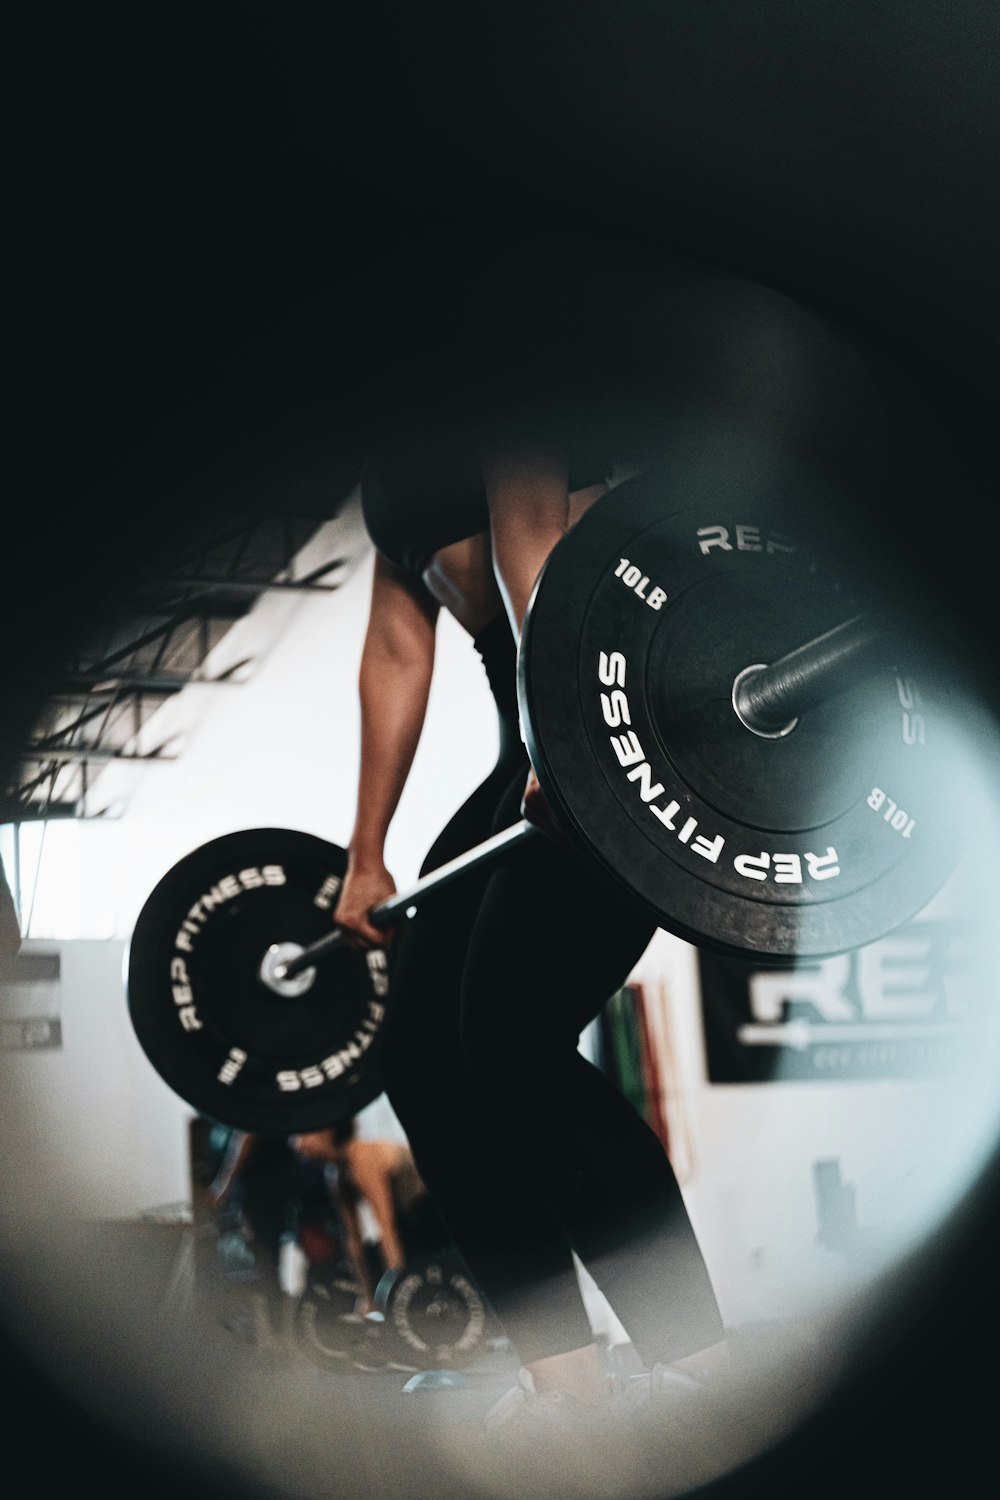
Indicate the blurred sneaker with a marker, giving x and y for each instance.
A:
(658, 1388)
(525, 1412)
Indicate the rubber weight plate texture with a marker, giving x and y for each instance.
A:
(227, 1044)
(803, 845)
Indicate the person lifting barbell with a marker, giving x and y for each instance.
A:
(655, 624)
(569, 1165)
(480, 1053)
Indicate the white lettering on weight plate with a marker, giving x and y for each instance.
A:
(914, 725)
(897, 818)
(290, 1080)
(741, 538)
(230, 1069)
(782, 867)
(629, 753)
(225, 889)
(327, 893)
(183, 994)
(787, 868)
(633, 577)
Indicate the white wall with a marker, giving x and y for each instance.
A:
(281, 750)
(278, 750)
(908, 1147)
(98, 1133)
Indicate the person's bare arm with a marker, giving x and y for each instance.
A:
(528, 494)
(373, 1178)
(397, 663)
(530, 511)
(354, 1249)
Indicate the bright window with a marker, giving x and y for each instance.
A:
(44, 867)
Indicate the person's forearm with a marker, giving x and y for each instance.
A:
(374, 1182)
(392, 1245)
(354, 1249)
(394, 696)
(394, 683)
(359, 1264)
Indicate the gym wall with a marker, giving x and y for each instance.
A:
(280, 749)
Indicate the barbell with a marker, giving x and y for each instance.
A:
(767, 699)
(724, 720)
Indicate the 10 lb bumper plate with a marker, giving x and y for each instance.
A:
(265, 1060)
(796, 844)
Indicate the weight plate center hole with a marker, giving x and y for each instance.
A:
(272, 973)
(778, 733)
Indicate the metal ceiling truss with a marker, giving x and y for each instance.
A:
(158, 645)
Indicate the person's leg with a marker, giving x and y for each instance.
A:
(528, 1151)
(460, 1142)
(552, 942)
(423, 1068)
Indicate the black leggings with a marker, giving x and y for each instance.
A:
(527, 1149)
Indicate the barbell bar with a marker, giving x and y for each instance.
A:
(385, 913)
(770, 699)
(767, 699)
(775, 848)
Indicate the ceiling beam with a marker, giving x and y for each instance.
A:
(74, 754)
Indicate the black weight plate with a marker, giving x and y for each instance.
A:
(801, 846)
(332, 1335)
(434, 1311)
(229, 1046)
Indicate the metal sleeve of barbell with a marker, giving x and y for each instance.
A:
(388, 911)
(815, 671)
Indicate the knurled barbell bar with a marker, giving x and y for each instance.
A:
(639, 683)
(767, 699)
(770, 699)
(280, 965)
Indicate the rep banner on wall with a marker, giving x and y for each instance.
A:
(894, 1009)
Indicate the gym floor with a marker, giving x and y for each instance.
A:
(172, 1369)
(309, 1429)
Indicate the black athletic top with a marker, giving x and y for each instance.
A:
(422, 492)
(419, 493)
(537, 338)
(477, 341)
